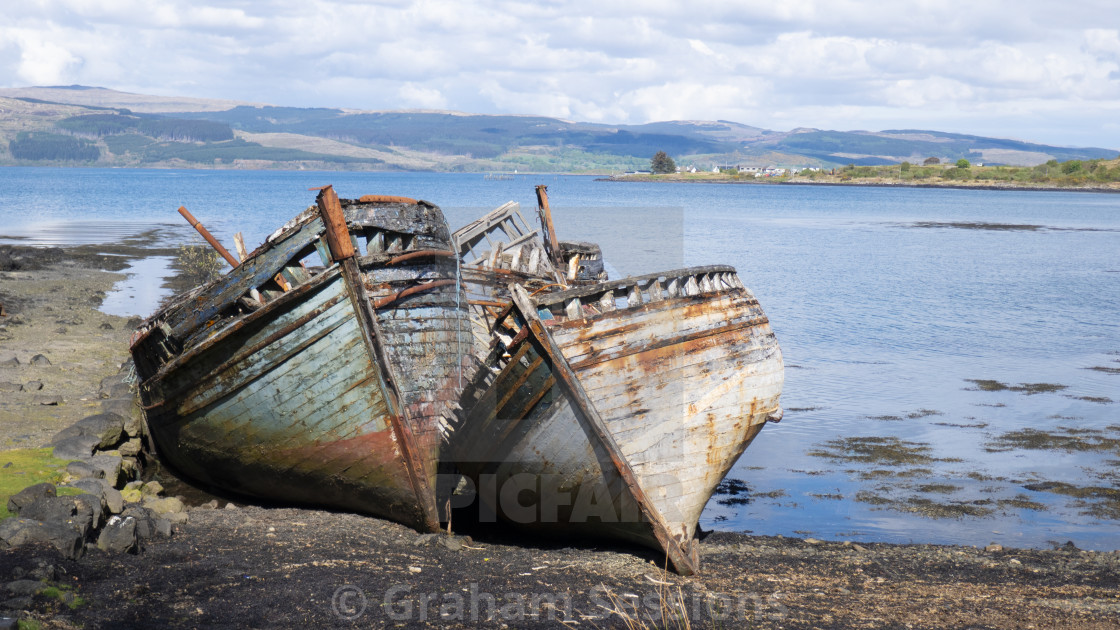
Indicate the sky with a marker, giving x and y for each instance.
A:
(1043, 71)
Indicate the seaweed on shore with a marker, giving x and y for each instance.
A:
(1068, 439)
(1101, 400)
(991, 385)
(913, 415)
(887, 451)
(1100, 502)
(928, 507)
(980, 225)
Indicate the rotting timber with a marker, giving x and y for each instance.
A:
(616, 409)
(501, 248)
(323, 368)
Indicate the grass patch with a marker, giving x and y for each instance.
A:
(64, 594)
(26, 467)
(1104, 368)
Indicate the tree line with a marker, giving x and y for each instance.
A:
(178, 130)
(52, 146)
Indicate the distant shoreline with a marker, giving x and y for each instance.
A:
(868, 184)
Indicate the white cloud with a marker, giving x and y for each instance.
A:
(422, 97)
(42, 61)
(962, 66)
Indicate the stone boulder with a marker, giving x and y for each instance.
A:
(20, 531)
(81, 513)
(80, 469)
(108, 467)
(152, 489)
(118, 535)
(78, 447)
(111, 499)
(165, 506)
(108, 427)
(131, 448)
(29, 495)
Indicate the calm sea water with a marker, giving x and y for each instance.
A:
(886, 302)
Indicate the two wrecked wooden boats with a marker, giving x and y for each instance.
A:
(364, 358)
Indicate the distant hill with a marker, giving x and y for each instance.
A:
(88, 125)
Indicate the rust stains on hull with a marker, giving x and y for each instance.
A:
(322, 388)
(673, 376)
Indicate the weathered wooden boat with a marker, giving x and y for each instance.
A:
(616, 409)
(326, 384)
(501, 248)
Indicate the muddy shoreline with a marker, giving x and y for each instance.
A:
(264, 566)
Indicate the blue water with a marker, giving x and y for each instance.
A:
(876, 317)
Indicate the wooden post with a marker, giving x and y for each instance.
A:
(239, 244)
(209, 237)
(334, 222)
(685, 562)
(551, 244)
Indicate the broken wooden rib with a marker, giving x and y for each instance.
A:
(316, 396)
(624, 403)
(495, 250)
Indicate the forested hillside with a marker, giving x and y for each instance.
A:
(196, 133)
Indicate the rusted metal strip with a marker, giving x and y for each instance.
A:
(492, 303)
(682, 560)
(389, 299)
(423, 253)
(386, 199)
(400, 419)
(338, 237)
(209, 237)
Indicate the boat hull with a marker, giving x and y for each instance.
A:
(334, 391)
(682, 383)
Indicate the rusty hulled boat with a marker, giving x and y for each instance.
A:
(326, 383)
(616, 409)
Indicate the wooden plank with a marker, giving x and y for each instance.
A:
(400, 420)
(674, 548)
(254, 272)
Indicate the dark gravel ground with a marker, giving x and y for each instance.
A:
(267, 567)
